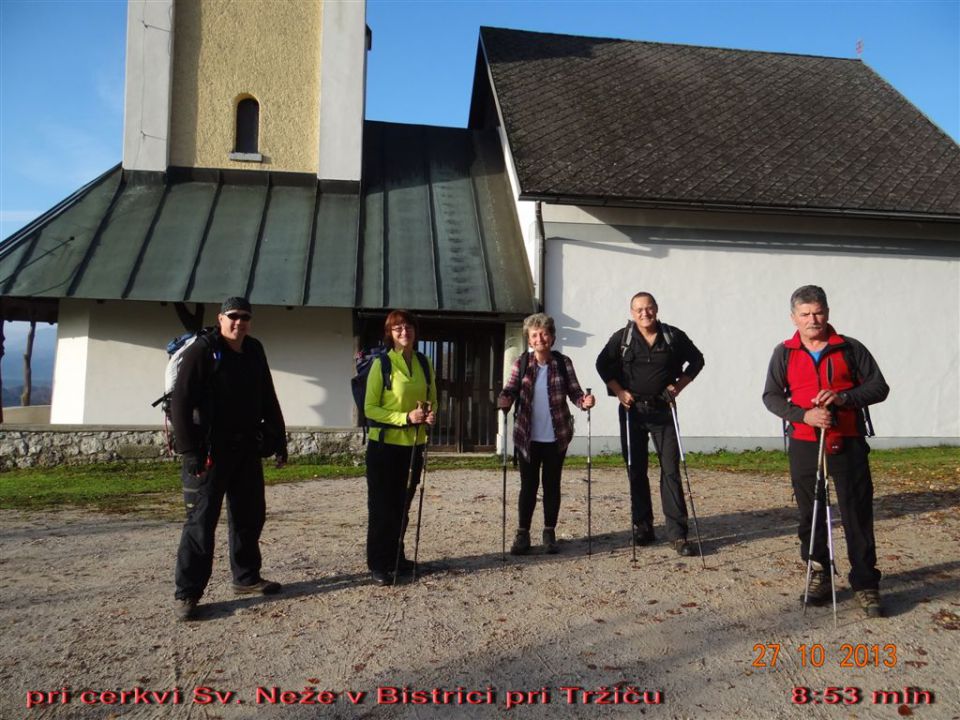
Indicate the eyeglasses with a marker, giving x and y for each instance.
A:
(400, 327)
(243, 317)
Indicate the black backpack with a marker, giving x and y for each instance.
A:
(626, 337)
(358, 383)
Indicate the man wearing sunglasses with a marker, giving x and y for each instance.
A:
(225, 416)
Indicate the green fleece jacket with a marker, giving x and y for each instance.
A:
(390, 406)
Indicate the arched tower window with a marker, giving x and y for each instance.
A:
(248, 126)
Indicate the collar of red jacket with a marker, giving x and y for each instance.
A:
(833, 338)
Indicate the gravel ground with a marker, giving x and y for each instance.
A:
(86, 613)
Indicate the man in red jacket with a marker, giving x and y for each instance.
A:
(821, 382)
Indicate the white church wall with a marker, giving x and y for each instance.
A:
(729, 289)
(111, 360)
(70, 366)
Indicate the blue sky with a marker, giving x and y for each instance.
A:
(61, 80)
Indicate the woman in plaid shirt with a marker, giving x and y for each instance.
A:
(543, 426)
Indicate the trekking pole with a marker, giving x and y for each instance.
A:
(407, 500)
(503, 524)
(589, 484)
(633, 532)
(813, 522)
(416, 542)
(686, 475)
(833, 566)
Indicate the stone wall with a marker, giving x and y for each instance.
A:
(45, 446)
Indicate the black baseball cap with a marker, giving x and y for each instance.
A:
(236, 303)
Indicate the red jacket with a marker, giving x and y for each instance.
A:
(845, 366)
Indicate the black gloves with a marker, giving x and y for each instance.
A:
(193, 464)
(282, 455)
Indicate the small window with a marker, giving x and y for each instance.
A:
(248, 126)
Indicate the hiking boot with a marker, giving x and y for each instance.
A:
(261, 587)
(521, 543)
(643, 535)
(819, 590)
(683, 547)
(550, 541)
(382, 577)
(185, 609)
(870, 602)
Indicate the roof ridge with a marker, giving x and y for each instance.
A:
(670, 44)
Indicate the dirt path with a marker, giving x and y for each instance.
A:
(85, 604)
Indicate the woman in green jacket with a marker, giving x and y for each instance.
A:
(396, 415)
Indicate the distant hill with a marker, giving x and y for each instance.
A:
(41, 363)
(39, 395)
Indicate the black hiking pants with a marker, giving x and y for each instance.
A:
(238, 475)
(655, 423)
(852, 486)
(388, 503)
(549, 457)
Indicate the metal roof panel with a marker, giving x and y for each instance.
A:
(508, 270)
(107, 272)
(281, 267)
(429, 236)
(228, 252)
(168, 259)
(439, 233)
(409, 268)
(461, 269)
(56, 255)
(333, 267)
(372, 263)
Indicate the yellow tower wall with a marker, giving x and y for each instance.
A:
(225, 50)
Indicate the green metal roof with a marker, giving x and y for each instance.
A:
(439, 232)
(196, 236)
(440, 228)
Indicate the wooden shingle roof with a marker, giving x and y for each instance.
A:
(627, 122)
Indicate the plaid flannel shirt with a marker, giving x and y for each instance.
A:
(522, 389)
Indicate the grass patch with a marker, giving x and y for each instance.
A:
(123, 487)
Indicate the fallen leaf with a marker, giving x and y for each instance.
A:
(947, 620)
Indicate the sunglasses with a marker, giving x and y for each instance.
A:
(245, 317)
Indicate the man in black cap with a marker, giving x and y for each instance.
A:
(225, 417)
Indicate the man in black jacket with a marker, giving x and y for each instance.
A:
(225, 415)
(642, 364)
